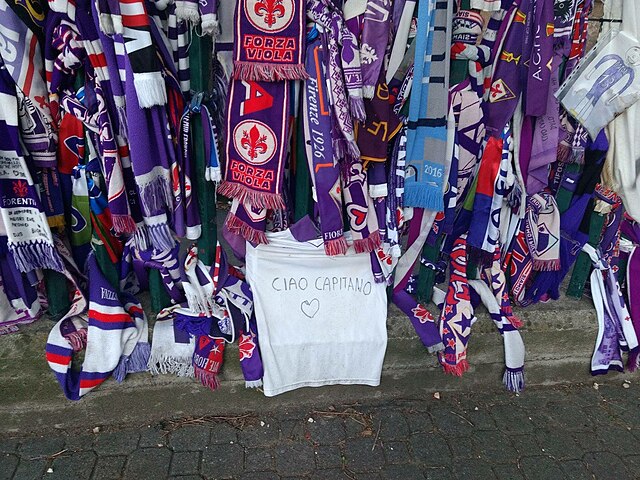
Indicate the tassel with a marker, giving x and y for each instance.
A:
(369, 91)
(424, 196)
(337, 246)
(270, 201)
(208, 379)
(458, 369)
(268, 72)
(238, 227)
(546, 265)
(513, 379)
(369, 244)
(77, 339)
(515, 321)
(123, 224)
(210, 25)
(356, 106)
(253, 383)
(139, 358)
(120, 372)
(150, 89)
(34, 255)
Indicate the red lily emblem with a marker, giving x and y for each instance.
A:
(20, 188)
(253, 142)
(271, 10)
(246, 346)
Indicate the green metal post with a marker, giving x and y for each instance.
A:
(582, 266)
(303, 202)
(57, 294)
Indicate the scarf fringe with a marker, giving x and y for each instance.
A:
(457, 369)
(34, 255)
(513, 379)
(438, 347)
(347, 150)
(214, 175)
(270, 201)
(195, 301)
(337, 246)
(356, 106)
(208, 379)
(77, 339)
(577, 155)
(188, 12)
(141, 237)
(564, 153)
(424, 196)
(156, 195)
(546, 265)
(268, 72)
(369, 244)
(180, 367)
(161, 237)
(210, 25)
(238, 227)
(106, 24)
(515, 321)
(123, 224)
(150, 89)
(253, 383)
(122, 122)
(136, 362)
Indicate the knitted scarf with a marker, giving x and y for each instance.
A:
(323, 168)
(615, 330)
(427, 127)
(375, 38)
(29, 237)
(116, 339)
(629, 244)
(542, 231)
(172, 349)
(457, 315)
(269, 40)
(256, 146)
(360, 210)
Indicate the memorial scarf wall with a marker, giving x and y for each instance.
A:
(460, 154)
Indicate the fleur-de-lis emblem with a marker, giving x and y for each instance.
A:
(20, 188)
(254, 143)
(271, 10)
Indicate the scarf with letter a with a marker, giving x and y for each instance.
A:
(257, 135)
(269, 40)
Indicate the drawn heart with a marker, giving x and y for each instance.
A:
(310, 308)
(358, 215)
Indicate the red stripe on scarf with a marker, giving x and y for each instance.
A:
(59, 359)
(109, 317)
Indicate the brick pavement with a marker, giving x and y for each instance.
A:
(573, 432)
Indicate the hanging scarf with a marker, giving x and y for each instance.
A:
(256, 147)
(360, 210)
(116, 339)
(269, 40)
(178, 34)
(457, 315)
(615, 330)
(375, 38)
(323, 169)
(29, 237)
(351, 67)
(542, 230)
(172, 349)
(540, 59)
(427, 127)
(247, 221)
(629, 245)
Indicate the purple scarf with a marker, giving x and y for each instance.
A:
(256, 147)
(269, 40)
(375, 38)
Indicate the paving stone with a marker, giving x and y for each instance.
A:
(525, 444)
(438, 473)
(259, 459)
(575, 470)
(116, 443)
(481, 419)
(331, 474)
(77, 443)
(328, 456)
(451, 422)
(41, 447)
(507, 472)
(587, 441)
(393, 424)
(190, 438)
(151, 437)
(222, 461)
(404, 472)
(359, 456)
(541, 468)
(152, 463)
(223, 433)
(559, 444)
(625, 442)
(326, 431)
(293, 429)
(30, 469)
(8, 445)
(495, 446)
(512, 419)
(186, 477)
(420, 422)
(430, 449)
(464, 447)
(185, 463)
(353, 428)
(607, 465)
(294, 459)
(474, 468)
(568, 417)
(260, 435)
(109, 468)
(632, 462)
(77, 466)
(396, 452)
(8, 464)
(260, 476)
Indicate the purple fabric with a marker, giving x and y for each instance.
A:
(375, 38)
(539, 77)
